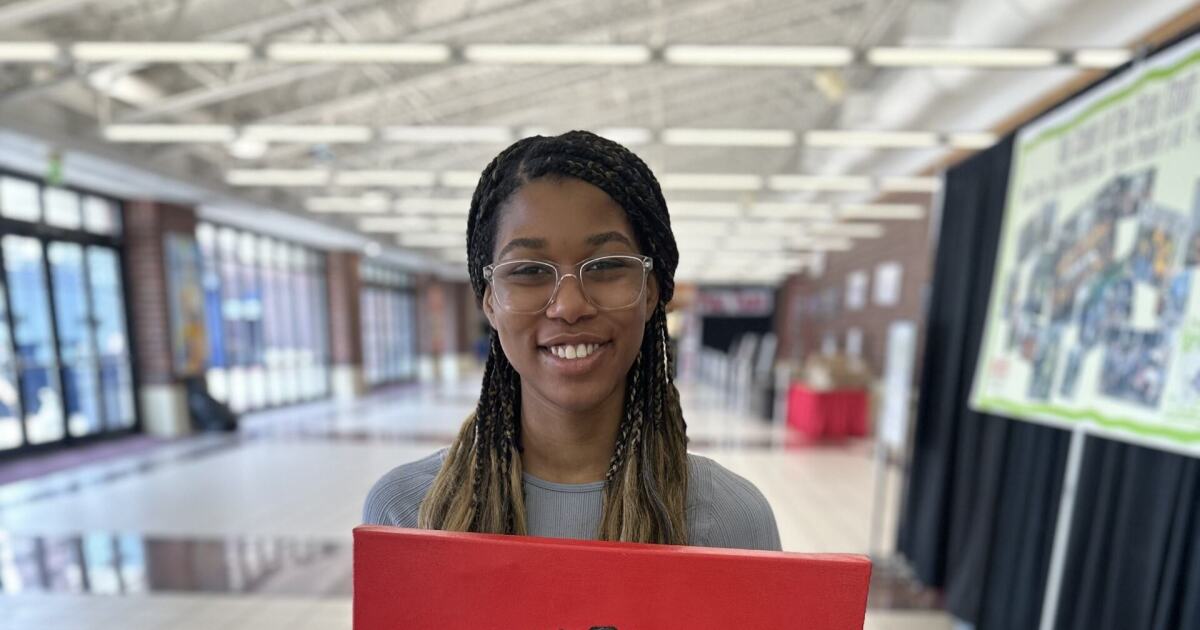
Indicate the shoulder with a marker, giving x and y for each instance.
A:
(396, 497)
(726, 510)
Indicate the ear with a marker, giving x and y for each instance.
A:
(489, 310)
(651, 296)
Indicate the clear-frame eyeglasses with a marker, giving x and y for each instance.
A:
(609, 283)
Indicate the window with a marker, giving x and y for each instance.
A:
(266, 306)
(388, 325)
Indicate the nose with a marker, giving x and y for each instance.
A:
(569, 303)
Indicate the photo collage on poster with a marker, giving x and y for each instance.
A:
(1113, 279)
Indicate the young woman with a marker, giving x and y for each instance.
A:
(578, 431)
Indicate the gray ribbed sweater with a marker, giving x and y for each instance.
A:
(723, 509)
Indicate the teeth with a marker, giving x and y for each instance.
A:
(578, 351)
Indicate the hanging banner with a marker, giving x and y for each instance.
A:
(1094, 315)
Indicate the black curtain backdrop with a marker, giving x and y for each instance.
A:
(983, 491)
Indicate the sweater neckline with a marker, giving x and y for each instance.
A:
(591, 486)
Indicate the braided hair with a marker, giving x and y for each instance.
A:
(479, 486)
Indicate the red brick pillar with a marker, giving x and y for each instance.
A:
(161, 392)
(345, 324)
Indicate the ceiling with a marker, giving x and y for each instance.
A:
(89, 96)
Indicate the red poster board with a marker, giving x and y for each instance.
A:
(414, 579)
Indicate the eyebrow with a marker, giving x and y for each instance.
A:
(609, 237)
(594, 240)
(530, 243)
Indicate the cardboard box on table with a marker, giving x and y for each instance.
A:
(415, 579)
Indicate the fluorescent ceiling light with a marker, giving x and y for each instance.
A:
(628, 136)
(729, 137)
(123, 86)
(706, 209)
(28, 52)
(361, 204)
(557, 54)
(1101, 58)
(459, 179)
(881, 211)
(765, 259)
(776, 210)
(435, 135)
(972, 140)
(422, 225)
(169, 133)
(413, 205)
(824, 244)
(398, 179)
(395, 224)
(697, 250)
(277, 177)
(880, 139)
(183, 52)
(359, 53)
(700, 228)
(759, 55)
(840, 183)
(434, 241)
(768, 228)
(244, 149)
(529, 132)
(754, 243)
(709, 181)
(910, 184)
(308, 133)
(968, 57)
(849, 230)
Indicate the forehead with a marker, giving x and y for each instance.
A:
(563, 211)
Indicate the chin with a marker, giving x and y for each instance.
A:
(576, 396)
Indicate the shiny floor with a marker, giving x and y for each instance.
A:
(251, 530)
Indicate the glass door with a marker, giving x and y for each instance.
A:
(10, 396)
(112, 342)
(76, 340)
(33, 334)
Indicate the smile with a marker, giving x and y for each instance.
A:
(575, 359)
(573, 352)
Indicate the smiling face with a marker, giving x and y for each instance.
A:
(564, 222)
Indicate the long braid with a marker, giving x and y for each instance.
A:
(479, 487)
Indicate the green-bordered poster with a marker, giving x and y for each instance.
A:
(1094, 314)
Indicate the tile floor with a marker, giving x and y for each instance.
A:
(252, 530)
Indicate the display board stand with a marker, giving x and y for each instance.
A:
(1062, 529)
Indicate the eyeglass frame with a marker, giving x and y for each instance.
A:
(647, 267)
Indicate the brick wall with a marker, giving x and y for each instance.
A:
(345, 308)
(146, 224)
(801, 330)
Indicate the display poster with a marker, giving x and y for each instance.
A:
(1094, 315)
(185, 299)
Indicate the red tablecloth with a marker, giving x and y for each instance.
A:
(822, 414)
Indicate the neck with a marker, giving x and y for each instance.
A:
(569, 446)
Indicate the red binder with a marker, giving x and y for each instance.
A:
(415, 579)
